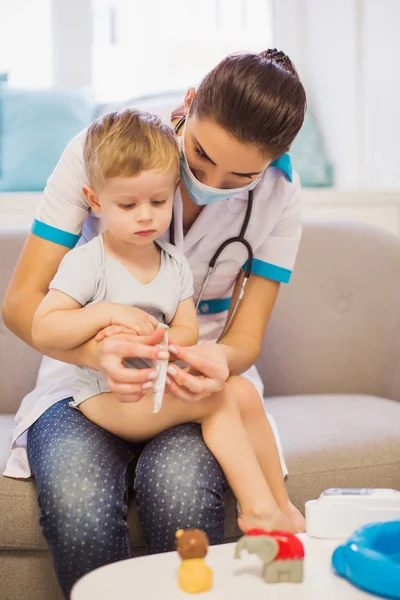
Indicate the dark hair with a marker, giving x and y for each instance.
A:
(258, 98)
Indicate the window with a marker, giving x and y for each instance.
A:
(25, 42)
(151, 46)
(126, 48)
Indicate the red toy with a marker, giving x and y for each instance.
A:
(281, 552)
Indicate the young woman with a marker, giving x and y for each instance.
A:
(235, 132)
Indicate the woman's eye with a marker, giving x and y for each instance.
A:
(126, 206)
(158, 202)
(201, 154)
(244, 176)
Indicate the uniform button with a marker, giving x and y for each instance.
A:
(204, 308)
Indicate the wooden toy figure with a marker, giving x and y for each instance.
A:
(194, 575)
(282, 554)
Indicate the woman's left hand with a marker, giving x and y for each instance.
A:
(208, 371)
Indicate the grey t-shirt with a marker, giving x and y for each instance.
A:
(88, 275)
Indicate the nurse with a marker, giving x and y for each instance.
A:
(235, 132)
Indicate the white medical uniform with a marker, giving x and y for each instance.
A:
(64, 217)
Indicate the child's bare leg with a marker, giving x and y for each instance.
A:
(226, 437)
(263, 441)
(135, 421)
(223, 433)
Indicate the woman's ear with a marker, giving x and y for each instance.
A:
(190, 94)
(92, 199)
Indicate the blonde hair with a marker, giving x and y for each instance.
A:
(127, 142)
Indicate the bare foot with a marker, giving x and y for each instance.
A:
(274, 521)
(295, 516)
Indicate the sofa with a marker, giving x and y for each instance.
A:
(331, 368)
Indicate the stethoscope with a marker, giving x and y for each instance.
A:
(240, 239)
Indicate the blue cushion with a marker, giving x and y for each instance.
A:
(35, 126)
(3, 81)
(309, 157)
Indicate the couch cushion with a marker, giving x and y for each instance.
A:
(19, 363)
(36, 125)
(332, 331)
(338, 441)
(6, 427)
(309, 156)
(18, 502)
(328, 441)
(20, 529)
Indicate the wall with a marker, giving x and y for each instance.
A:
(25, 42)
(347, 53)
(381, 92)
(72, 32)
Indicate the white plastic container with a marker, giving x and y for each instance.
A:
(338, 512)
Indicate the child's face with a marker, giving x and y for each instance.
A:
(137, 209)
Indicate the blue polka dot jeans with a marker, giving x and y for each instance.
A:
(86, 475)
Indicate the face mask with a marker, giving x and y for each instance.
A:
(203, 194)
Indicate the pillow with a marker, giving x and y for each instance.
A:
(3, 81)
(35, 127)
(309, 157)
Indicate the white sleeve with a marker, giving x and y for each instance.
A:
(77, 276)
(63, 208)
(186, 280)
(275, 257)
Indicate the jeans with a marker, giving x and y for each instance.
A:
(85, 476)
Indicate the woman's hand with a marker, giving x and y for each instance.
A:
(207, 375)
(129, 384)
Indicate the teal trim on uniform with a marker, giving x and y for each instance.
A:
(212, 307)
(52, 234)
(269, 271)
(284, 163)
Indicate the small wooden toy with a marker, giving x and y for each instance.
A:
(282, 554)
(194, 575)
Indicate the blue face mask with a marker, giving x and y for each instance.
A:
(203, 194)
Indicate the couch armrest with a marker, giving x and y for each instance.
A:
(18, 362)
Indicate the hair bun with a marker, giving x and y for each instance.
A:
(279, 58)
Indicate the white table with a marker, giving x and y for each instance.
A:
(155, 577)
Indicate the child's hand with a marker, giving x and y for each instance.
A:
(136, 320)
(113, 330)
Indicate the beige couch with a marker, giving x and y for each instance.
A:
(331, 367)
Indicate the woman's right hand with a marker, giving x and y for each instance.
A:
(129, 384)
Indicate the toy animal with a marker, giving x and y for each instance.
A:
(195, 575)
(282, 554)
